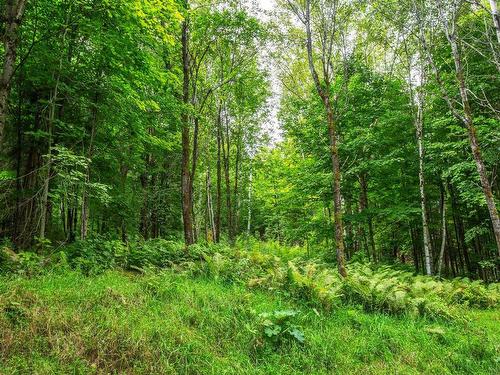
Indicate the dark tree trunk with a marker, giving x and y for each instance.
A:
(13, 15)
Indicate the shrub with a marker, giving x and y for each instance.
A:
(278, 327)
(94, 256)
(155, 253)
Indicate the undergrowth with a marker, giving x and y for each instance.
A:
(273, 267)
(171, 322)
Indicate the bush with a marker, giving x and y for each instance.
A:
(97, 255)
(278, 327)
(155, 253)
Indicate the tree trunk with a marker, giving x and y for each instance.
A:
(337, 198)
(143, 224)
(13, 15)
(496, 18)
(324, 93)
(250, 187)
(50, 122)
(419, 122)
(185, 179)
(414, 249)
(459, 232)
(193, 174)
(443, 229)
(225, 156)
(210, 208)
(235, 223)
(19, 150)
(85, 198)
(219, 176)
(474, 144)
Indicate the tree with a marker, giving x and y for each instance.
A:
(12, 18)
(327, 13)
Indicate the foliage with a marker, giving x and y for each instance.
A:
(277, 327)
(169, 322)
(374, 288)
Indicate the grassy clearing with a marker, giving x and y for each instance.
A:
(174, 323)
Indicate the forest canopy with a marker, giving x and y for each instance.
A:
(359, 129)
(249, 186)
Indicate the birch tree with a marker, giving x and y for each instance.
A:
(447, 14)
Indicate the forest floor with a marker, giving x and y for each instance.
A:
(168, 322)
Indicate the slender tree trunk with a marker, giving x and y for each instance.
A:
(324, 93)
(155, 226)
(415, 250)
(185, 180)
(219, 176)
(225, 156)
(85, 198)
(443, 230)
(123, 177)
(235, 192)
(459, 232)
(13, 15)
(425, 223)
(19, 150)
(143, 225)
(496, 18)
(474, 143)
(337, 197)
(466, 118)
(193, 174)
(349, 238)
(250, 187)
(46, 183)
(210, 208)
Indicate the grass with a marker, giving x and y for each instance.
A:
(175, 323)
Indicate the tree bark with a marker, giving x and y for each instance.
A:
(219, 176)
(443, 230)
(325, 94)
(471, 130)
(496, 18)
(225, 156)
(192, 175)
(13, 15)
(466, 118)
(235, 217)
(210, 208)
(185, 178)
(419, 123)
(250, 187)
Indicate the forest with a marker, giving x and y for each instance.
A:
(249, 187)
